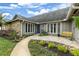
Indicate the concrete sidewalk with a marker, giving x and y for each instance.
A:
(21, 49)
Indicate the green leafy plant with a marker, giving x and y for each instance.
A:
(74, 52)
(42, 42)
(76, 19)
(33, 42)
(62, 48)
(13, 34)
(51, 45)
(43, 33)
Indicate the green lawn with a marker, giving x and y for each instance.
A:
(6, 46)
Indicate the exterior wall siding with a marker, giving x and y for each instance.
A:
(75, 32)
(66, 27)
(14, 26)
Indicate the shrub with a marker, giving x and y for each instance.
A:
(33, 42)
(42, 42)
(74, 52)
(62, 48)
(43, 33)
(13, 34)
(51, 45)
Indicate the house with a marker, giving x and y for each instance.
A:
(54, 22)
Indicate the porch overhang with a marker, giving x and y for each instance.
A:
(74, 10)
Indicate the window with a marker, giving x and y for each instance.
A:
(26, 27)
(54, 28)
(51, 28)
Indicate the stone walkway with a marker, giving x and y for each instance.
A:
(21, 49)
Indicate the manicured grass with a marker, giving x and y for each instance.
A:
(6, 46)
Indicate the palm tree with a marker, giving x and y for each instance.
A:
(1, 21)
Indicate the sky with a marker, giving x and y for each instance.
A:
(29, 9)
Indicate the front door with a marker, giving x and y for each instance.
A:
(38, 28)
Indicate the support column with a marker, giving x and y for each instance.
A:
(53, 29)
(27, 27)
(30, 27)
(56, 28)
(60, 28)
(46, 27)
(50, 28)
(21, 28)
(34, 28)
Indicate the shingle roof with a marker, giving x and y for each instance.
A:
(51, 16)
(20, 17)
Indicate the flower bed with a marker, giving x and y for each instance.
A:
(44, 48)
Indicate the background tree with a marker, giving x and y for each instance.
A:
(2, 21)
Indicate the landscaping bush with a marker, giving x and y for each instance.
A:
(33, 42)
(38, 50)
(42, 42)
(62, 48)
(43, 33)
(9, 34)
(74, 52)
(13, 34)
(51, 45)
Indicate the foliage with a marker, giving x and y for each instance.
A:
(6, 46)
(74, 52)
(33, 42)
(13, 34)
(43, 33)
(2, 21)
(42, 42)
(62, 48)
(51, 45)
(76, 19)
(38, 50)
(9, 34)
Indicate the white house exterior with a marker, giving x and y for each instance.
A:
(54, 22)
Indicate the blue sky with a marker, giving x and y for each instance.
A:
(29, 9)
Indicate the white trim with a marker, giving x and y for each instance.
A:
(75, 7)
(56, 28)
(30, 27)
(60, 28)
(34, 28)
(27, 27)
(21, 28)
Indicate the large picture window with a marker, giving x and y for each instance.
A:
(28, 27)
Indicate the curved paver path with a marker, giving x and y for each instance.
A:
(21, 49)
